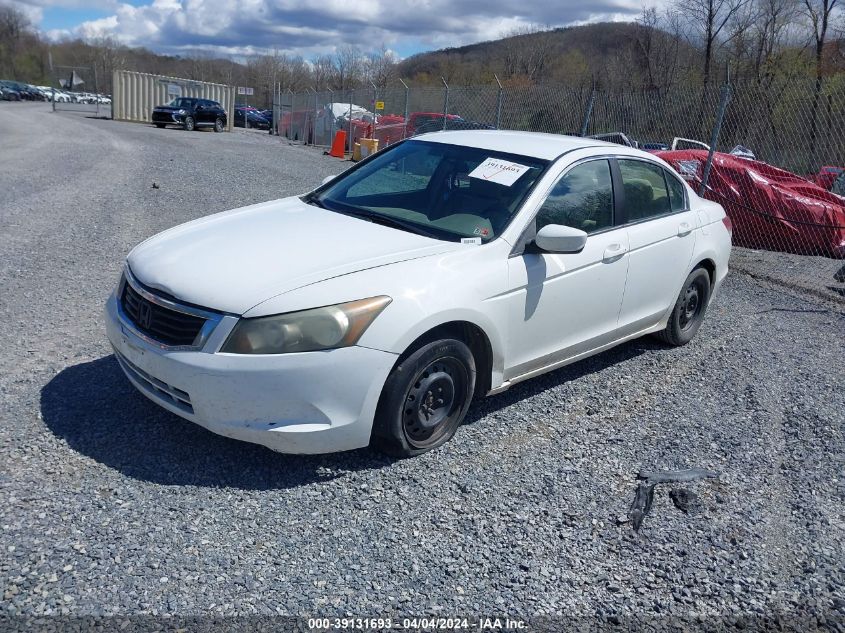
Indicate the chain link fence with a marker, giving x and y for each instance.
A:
(772, 155)
(77, 88)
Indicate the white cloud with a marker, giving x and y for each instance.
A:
(308, 27)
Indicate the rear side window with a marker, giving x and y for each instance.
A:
(677, 193)
(646, 194)
(582, 199)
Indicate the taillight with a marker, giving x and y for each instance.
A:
(728, 224)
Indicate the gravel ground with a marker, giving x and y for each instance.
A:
(111, 505)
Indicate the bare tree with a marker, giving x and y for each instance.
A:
(708, 19)
(820, 14)
(381, 67)
(528, 51)
(349, 67)
(323, 71)
(13, 26)
(658, 42)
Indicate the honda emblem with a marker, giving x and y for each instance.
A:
(145, 315)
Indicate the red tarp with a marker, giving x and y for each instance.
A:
(770, 208)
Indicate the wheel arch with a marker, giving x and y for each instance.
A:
(709, 265)
(474, 336)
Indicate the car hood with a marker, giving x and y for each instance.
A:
(233, 261)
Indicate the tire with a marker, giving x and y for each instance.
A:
(218, 125)
(425, 399)
(688, 313)
(161, 125)
(190, 124)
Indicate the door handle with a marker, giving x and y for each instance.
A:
(685, 228)
(613, 252)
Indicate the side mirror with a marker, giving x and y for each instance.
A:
(556, 238)
(328, 179)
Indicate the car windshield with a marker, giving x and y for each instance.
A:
(445, 191)
(181, 103)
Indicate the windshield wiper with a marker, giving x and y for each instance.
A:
(384, 220)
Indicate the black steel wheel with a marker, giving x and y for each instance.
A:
(688, 313)
(190, 124)
(425, 398)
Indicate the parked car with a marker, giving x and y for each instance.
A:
(9, 92)
(838, 186)
(620, 138)
(251, 116)
(770, 208)
(827, 176)
(15, 91)
(375, 307)
(190, 113)
(654, 147)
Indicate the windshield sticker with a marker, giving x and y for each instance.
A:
(483, 231)
(471, 240)
(502, 172)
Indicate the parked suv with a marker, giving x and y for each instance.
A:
(190, 113)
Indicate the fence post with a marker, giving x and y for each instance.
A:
(351, 99)
(498, 103)
(407, 94)
(314, 122)
(589, 113)
(289, 131)
(375, 112)
(445, 102)
(96, 89)
(725, 95)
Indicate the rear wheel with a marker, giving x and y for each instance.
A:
(688, 313)
(160, 125)
(190, 124)
(425, 398)
(218, 125)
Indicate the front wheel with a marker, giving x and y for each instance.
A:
(218, 125)
(425, 398)
(190, 124)
(688, 313)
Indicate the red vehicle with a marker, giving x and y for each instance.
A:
(770, 208)
(827, 176)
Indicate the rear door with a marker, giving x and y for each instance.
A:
(205, 113)
(661, 232)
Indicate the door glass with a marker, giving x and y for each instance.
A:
(645, 189)
(677, 193)
(582, 199)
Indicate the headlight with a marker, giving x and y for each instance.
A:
(329, 327)
(180, 112)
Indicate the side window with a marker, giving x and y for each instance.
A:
(582, 199)
(677, 193)
(646, 195)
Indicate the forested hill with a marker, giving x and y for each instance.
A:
(610, 51)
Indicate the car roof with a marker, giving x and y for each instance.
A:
(536, 144)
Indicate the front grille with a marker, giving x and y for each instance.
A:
(155, 387)
(167, 326)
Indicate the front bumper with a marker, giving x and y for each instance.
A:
(314, 402)
(169, 118)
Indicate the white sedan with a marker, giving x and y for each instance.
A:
(450, 266)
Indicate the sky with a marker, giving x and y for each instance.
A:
(239, 28)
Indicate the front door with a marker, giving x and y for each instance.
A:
(562, 305)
